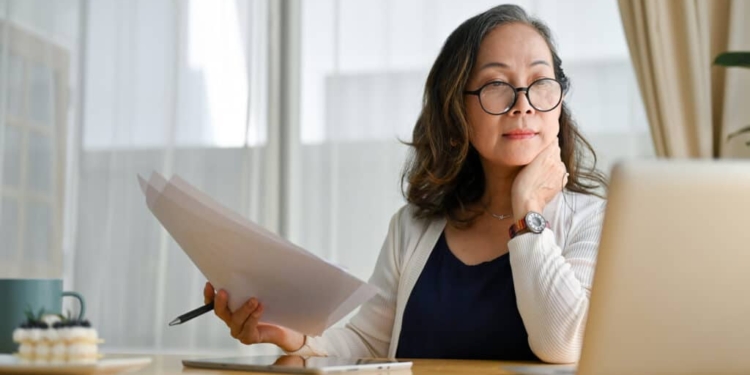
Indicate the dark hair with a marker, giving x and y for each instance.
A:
(444, 172)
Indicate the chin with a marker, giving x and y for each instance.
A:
(511, 156)
(516, 160)
(518, 163)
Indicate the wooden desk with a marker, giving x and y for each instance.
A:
(171, 365)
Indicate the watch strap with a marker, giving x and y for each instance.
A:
(520, 227)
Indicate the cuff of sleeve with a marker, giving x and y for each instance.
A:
(311, 348)
(526, 242)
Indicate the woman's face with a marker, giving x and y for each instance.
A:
(516, 54)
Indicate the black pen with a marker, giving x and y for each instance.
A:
(192, 314)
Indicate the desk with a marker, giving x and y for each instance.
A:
(172, 365)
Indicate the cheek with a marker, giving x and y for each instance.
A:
(551, 125)
(474, 111)
(478, 120)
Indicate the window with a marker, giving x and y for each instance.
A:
(34, 114)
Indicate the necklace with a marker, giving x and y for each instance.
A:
(500, 217)
(496, 216)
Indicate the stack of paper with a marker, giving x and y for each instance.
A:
(298, 290)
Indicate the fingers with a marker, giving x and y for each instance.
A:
(548, 164)
(208, 293)
(558, 174)
(553, 147)
(239, 317)
(220, 306)
(547, 158)
(553, 158)
(539, 181)
(553, 152)
(250, 334)
(243, 323)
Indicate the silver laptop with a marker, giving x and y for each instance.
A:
(671, 293)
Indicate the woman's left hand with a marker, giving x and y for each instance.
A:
(538, 182)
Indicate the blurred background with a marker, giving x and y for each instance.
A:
(288, 112)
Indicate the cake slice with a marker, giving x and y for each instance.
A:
(55, 339)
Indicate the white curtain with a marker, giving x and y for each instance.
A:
(179, 87)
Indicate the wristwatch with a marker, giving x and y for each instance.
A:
(533, 222)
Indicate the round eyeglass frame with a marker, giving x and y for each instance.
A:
(516, 90)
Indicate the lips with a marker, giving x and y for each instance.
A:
(519, 134)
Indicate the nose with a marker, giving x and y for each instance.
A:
(522, 104)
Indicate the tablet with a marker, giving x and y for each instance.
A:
(294, 364)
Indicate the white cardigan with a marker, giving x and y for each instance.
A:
(552, 274)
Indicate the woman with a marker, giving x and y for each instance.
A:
(497, 183)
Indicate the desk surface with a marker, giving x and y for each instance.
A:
(171, 364)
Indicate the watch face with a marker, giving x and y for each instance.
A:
(535, 222)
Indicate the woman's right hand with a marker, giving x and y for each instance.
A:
(245, 326)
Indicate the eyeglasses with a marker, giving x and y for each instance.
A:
(497, 97)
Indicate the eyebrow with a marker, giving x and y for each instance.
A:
(495, 64)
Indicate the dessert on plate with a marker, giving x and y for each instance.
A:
(56, 339)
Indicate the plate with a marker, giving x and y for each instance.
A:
(10, 364)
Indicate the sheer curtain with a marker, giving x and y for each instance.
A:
(179, 87)
(363, 68)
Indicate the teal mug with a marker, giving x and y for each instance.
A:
(20, 295)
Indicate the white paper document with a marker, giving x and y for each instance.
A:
(298, 289)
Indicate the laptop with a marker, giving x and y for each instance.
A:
(671, 291)
(294, 364)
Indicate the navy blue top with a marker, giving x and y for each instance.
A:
(463, 312)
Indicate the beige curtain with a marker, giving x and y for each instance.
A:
(691, 104)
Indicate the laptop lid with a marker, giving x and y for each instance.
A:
(671, 292)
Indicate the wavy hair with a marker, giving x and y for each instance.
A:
(444, 174)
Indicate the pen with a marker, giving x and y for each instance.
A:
(192, 314)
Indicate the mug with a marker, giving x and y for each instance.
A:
(20, 295)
